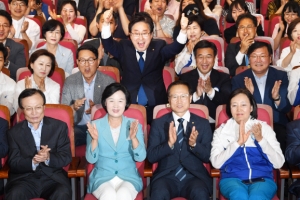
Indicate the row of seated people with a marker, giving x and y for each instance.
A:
(174, 145)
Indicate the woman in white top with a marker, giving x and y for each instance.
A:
(290, 56)
(186, 57)
(41, 65)
(53, 32)
(163, 25)
(290, 11)
(68, 15)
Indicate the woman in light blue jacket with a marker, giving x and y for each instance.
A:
(114, 144)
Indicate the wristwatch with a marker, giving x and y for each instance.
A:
(193, 146)
(277, 98)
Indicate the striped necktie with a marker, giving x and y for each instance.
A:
(180, 172)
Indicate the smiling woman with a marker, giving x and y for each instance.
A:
(41, 65)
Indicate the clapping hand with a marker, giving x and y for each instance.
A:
(172, 134)
(133, 129)
(249, 84)
(243, 136)
(92, 131)
(193, 136)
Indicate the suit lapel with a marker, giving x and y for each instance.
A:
(269, 85)
(107, 135)
(124, 133)
(28, 137)
(97, 89)
(149, 56)
(187, 134)
(256, 92)
(46, 132)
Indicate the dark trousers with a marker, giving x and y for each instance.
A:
(168, 187)
(280, 131)
(80, 134)
(37, 185)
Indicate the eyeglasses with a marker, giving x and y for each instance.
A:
(36, 109)
(137, 35)
(90, 61)
(242, 28)
(290, 14)
(261, 57)
(175, 97)
(15, 4)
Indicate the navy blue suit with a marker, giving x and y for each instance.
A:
(279, 113)
(3, 139)
(157, 54)
(198, 179)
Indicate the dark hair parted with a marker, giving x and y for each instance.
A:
(290, 6)
(72, 3)
(246, 16)
(141, 17)
(87, 47)
(115, 17)
(28, 93)
(249, 96)
(236, 4)
(113, 88)
(291, 27)
(42, 52)
(205, 44)
(3, 49)
(51, 25)
(5, 14)
(25, 1)
(257, 45)
(179, 82)
(167, 1)
(197, 19)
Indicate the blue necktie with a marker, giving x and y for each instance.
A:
(246, 60)
(142, 98)
(180, 172)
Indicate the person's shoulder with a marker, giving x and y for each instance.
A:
(277, 71)
(8, 81)
(13, 44)
(294, 124)
(31, 23)
(195, 117)
(3, 121)
(73, 78)
(101, 77)
(186, 76)
(52, 121)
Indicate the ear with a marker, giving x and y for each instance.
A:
(191, 96)
(251, 109)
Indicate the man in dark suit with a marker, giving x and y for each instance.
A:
(39, 148)
(86, 8)
(3, 145)
(180, 142)
(143, 59)
(16, 56)
(268, 86)
(209, 86)
(84, 89)
(292, 153)
(236, 53)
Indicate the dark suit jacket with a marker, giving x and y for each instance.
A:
(230, 32)
(292, 152)
(279, 113)
(85, 7)
(3, 139)
(157, 54)
(230, 54)
(16, 57)
(22, 149)
(219, 80)
(168, 159)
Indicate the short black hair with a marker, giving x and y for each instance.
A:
(236, 4)
(113, 88)
(25, 1)
(87, 47)
(101, 13)
(3, 49)
(257, 45)
(179, 82)
(291, 27)
(5, 14)
(28, 93)
(141, 17)
(246, 16)
(197, 19)
(249, 96)
(51, 25)
(205, 44)
(42, 52)
(72, 3)
(167, 1)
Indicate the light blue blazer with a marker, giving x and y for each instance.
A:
(115, 160)
(63, 57)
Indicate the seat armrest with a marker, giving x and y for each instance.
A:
(148, 169)
(4, 171)
(81, 170)
(214, 173)
(72, 171)
(284, 172)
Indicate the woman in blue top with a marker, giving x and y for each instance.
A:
(246, 151)
(114, 144)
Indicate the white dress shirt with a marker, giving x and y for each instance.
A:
(7, 90)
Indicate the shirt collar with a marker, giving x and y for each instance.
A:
(204, 77)
(264, 76)
(86, 83)
(31, 126)
(20, 21)
(186, 116)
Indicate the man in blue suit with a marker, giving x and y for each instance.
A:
(143, 58)
(180, 142)
(268, 86)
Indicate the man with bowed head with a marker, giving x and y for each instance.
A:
(143, 59)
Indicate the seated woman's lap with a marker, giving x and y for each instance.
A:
(233, 188)
(115, 189)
